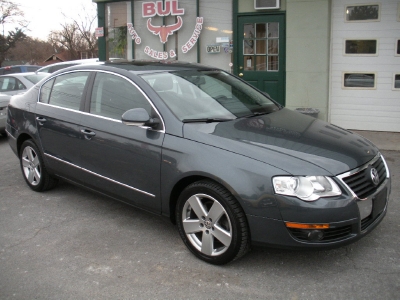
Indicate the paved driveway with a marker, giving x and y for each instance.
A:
(70, 243)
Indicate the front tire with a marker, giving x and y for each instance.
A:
(33, 168)
(211, 223)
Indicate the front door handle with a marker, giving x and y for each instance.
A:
(88, 133)
(40, 120)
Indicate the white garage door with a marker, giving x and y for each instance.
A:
(365, 65)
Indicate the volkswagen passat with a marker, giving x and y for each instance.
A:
(228, 165)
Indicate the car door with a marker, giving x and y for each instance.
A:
(122, 161)
(58, 114)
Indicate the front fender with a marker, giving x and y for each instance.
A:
(247, 179)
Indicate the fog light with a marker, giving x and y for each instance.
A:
(315, 235)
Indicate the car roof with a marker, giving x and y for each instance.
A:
(145, 66)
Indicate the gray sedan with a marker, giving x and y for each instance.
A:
(227, 164)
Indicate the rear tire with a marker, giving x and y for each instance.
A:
(211, 223)
(33, 168)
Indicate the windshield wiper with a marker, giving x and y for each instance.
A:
(256, 114)
(205, 120)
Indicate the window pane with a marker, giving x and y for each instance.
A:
(113, 95)
(7, 84)
(273, 47)
(397, 81)
(261, 30)
(119, 42)
(248, 31)
(248, 63)
(248, 46)
(261, 63)
(362, 12)
(360, 46)
(273, 30)
(359, 80)
(68, 89)
(261, 47)
(45, 91)
(398, 47)
(273, 63)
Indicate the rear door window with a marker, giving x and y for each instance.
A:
(8, 84)
(67, 90)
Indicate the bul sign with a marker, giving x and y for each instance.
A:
(151, 10)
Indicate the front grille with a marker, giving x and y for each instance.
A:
(360, 183)
(331, 234)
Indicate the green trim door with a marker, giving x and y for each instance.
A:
(261, 53)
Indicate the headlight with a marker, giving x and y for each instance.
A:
(307, 188)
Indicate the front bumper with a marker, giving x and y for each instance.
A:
(349, 219)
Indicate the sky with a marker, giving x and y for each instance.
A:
(47, 15)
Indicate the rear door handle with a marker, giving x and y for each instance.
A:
(88, 133)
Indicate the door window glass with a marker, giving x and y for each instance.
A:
(45, 91)
(261, 44)
(68, 89)
(8, 84)
(113, 95)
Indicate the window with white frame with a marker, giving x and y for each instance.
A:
(363, 13)
(359, 80)
(396, 82)
(361, 47)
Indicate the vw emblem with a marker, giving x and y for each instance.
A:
(374, 176)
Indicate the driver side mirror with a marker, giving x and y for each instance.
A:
(139, 117)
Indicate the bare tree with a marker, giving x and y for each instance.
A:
(31, 50)
(11, 14)
(76, 36)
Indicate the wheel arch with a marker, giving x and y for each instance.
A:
(186, 181)
(21, 139)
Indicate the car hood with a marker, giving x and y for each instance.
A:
(293, 142)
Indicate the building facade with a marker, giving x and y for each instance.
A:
(340, 57)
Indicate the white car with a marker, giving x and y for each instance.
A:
(16, 83)
(4, 100)
(65, 64)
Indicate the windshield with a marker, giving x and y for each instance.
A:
(210, 95)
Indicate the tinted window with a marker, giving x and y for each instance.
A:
(10, 84)
(68, 89)
(113, 95)
(12, 70)
(45, 91)
(208, 94)
(31, 69)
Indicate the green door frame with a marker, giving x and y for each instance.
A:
(237, 43)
